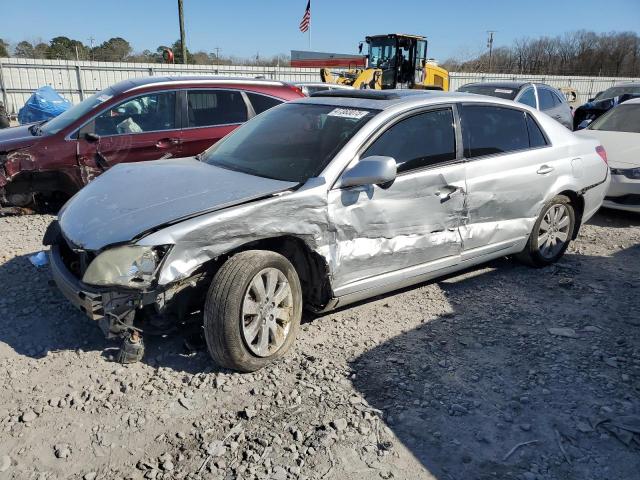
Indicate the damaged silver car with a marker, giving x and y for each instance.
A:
(319, 203)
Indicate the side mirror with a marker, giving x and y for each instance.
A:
(374, 170)
(91, 137)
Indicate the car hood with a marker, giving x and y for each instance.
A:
(133, 198)
(16, 137)
(623, 148)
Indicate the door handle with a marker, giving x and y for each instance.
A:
(544, 169)
(168, 142)
(447, 191)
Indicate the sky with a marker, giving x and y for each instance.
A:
(245, 28)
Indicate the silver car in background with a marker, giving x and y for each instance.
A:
(537, 95)
(319, 203)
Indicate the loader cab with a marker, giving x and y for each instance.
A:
(400, 57)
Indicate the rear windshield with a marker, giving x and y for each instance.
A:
(291, 142)
(492, 91)
(623, 118)
(74, 113)
(617, 91)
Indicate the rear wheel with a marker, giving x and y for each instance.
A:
(551, 233)
(253, 309)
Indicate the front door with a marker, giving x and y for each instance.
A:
(138, 129)
(509, 173)
(413, 221)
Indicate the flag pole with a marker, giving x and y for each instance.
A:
(309, 25)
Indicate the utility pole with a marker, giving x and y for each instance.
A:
(490, 45)
(217, 49)
(91, 40)
(183, 43)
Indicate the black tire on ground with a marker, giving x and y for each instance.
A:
(223, 320)
(531, 255)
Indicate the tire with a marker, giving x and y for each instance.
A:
(235, 309)
(541, 250)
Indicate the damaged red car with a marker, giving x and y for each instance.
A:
(132, 121)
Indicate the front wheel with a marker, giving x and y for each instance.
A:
(551, 233)
(252, 311)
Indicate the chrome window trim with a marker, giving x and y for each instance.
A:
(249, 81)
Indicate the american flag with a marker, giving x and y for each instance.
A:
(306, 18)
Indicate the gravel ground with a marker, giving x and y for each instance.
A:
(501, 372)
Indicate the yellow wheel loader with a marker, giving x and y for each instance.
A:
(394, 61)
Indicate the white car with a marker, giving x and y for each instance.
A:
(619, 132)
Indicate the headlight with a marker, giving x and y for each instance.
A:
(632, 173)
(129, 266)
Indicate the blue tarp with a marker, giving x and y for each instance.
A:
(45, 103)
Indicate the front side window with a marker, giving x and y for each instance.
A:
(261, 103)
(489, 130)
(623, 118)
(528, 97)
(208, 108)
(292, 142)
(146, 113)
(419, 141)
(546, 99)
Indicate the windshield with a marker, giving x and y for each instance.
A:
(66, 118)
(291, 142)
(623, 118)
(492, 91)
(617, 91)
(382, 53)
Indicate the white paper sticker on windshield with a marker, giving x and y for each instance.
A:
(348, 113)
(104, 97)
(503, 90)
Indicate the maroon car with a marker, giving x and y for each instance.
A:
(132, 121)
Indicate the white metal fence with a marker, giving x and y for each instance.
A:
(77, 79)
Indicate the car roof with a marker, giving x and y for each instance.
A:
(140, 82)
(385, 99)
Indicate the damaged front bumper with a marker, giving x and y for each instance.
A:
(113, 310)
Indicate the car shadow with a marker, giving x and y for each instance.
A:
(36, 320)
(467, 390)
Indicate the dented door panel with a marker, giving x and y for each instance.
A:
(412, 222)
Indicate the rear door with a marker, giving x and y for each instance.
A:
(552, 104)
(145, 127)
(510, 169)
(210, 114)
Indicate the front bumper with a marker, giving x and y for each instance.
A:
(111, 309)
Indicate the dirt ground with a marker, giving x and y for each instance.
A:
(501, 372)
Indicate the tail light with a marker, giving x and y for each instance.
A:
(603, 154)
(296, 89)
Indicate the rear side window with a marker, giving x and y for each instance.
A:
(528, 97)
(208, 108)
(490, 129)
(419, 141)
(558, 97)
(262, 102)
(536, 137)
(546, 99)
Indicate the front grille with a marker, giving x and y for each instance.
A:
(631, 199)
